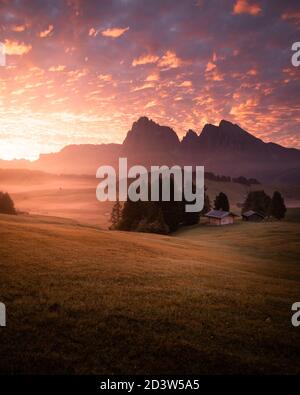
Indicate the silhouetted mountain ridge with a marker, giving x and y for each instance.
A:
(225, 149)
(228, 134)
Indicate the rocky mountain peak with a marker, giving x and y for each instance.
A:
(148, 135)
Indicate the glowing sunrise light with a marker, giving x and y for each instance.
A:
(84, 77)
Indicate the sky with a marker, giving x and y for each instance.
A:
(82, 71)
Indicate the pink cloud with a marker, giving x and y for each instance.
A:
(114, 32)
(244, 7)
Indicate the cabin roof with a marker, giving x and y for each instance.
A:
(219, 214)
(251, 212)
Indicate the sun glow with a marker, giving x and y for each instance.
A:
(25, 135)
(73, 79)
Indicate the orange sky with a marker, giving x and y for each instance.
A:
(82, 72)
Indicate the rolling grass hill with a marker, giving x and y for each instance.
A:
(207, 300)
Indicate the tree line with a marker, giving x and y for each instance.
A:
(239, 180)
(167, 217)
(262, 203)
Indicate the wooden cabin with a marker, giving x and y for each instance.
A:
(253, 216)
(220, 217)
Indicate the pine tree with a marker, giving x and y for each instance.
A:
(116, 215)
(153, 220)
(222, 202)
(277, 207)
(6, 204)
(257, 201)
(132, 213)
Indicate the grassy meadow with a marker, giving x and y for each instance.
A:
(74, 197)
(206, 300)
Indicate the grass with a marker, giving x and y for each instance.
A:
(207, 300)
(71, 196)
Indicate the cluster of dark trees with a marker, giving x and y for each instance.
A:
(262, 203)
(6, 204)
(215, 177)
(221, 202)
(257, 201)
(160, 217)
(246, 181)
(155, 217)
(240, 180)
(166, 217)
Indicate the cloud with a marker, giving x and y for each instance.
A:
(145, 59)
(215, 75)
(244, 108)
(16, 48)
(292, 16)
(18, 92)
(252, 72)
(20, 28)
(105, 77)
(170, 61)
(244, 7)
(210, 66)
(57, 68)
(148, 85)
(151, 103)
(47, 32)
(93, 32)
(186, 84)
(153, 77)
(168, 44)
(75, 75)
(114, 32)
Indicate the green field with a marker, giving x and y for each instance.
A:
(207, 300)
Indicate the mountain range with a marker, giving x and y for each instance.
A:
(226, 149)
